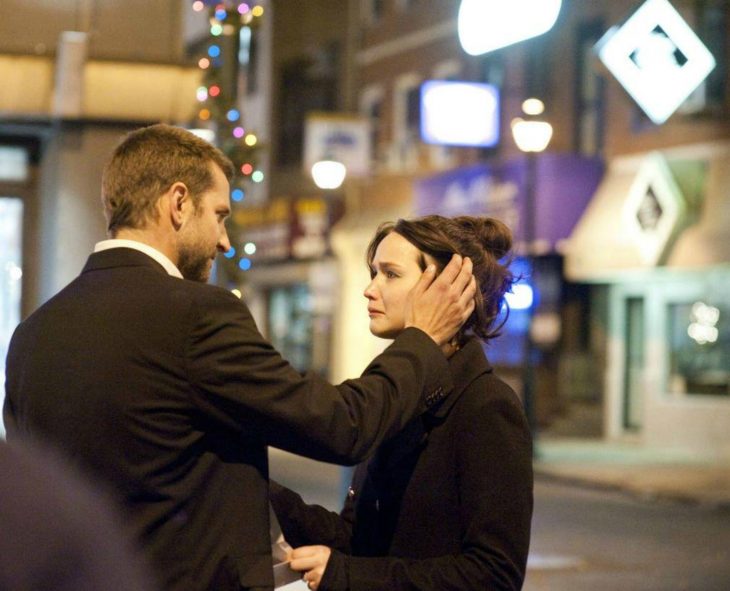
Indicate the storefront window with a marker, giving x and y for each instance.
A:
(699, 349)
(300, 327)
(11, 216)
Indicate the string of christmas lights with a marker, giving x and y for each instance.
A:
(218, 93)
(231, 28)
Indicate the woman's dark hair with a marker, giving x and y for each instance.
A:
(486, 241)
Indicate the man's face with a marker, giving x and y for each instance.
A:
(204, 234)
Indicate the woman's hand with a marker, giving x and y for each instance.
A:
(312, 561)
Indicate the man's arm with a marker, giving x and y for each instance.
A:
(241, 382)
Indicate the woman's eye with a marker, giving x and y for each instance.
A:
(390, 275)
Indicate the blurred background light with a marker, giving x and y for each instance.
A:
(486, 25)
(459, 113)
(521, 296)
(328, 174)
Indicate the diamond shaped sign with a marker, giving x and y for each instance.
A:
(654, 208)
(657, 58)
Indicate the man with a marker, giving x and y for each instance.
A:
(165, 390)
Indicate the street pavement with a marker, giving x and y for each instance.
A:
(645, 473)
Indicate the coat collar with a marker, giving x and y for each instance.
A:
(121, 257)
(466, 365)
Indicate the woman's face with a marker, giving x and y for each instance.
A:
(394, 271)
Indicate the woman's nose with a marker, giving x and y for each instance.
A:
(369, 292)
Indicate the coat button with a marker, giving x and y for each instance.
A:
(350, 492)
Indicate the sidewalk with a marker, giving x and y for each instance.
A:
(649, 474)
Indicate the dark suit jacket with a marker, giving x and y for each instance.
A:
(446, 504)
(165, 390)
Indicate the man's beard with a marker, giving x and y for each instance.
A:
(193, 263)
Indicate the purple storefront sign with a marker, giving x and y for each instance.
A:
(564, 184)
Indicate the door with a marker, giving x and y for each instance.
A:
(634, 365)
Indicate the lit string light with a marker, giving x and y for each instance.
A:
(229, 19)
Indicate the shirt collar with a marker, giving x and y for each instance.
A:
(167, 264)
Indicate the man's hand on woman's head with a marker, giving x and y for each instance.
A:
(312, 562)
(439, 306)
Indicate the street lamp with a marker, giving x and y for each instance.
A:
(532, 137)
(487, 25)
(328, 174)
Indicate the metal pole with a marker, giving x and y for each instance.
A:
(528, 367)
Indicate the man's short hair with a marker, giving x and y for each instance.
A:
(147, 163)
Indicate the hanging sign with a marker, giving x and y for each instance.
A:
(657, 58)
(654, 209)
(340, 137)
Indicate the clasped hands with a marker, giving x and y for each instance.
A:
(311, 561)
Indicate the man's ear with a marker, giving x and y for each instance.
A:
(178, 203)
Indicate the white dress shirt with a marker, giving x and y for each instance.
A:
(142, 247)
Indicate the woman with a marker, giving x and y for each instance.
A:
(447, 503)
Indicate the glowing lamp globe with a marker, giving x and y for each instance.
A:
(531, 136)
(328, 174)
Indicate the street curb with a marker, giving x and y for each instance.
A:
(643, 494)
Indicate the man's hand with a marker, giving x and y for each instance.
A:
(313, 561)
(440, 306)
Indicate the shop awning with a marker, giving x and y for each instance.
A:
(564, 185)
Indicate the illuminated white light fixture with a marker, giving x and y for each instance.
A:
(703, 329)
(459, 113)
(531, 135)
(533, 106)
(657, 58)
(521, 296)
(328, 174)
(486, 25)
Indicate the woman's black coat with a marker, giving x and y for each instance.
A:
(446, 504)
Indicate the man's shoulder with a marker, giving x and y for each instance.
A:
(204, 292)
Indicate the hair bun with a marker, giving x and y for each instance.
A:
(493, 234)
